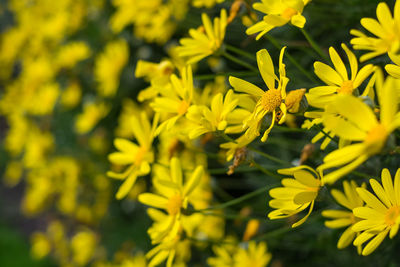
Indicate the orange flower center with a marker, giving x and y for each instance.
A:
(183, 107)
(376, 138)
(140, 155)
(174, 204)
(391, 215)
(271, 100)
(346, 88)
(288, 13)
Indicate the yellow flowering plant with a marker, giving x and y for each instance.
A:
(169, 133)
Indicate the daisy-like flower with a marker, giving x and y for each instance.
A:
(278, 13)
(158, 74)
(381, 215)
(296, 194)
(394, 69)
(138, 157)
(173, 193)
(109, 66)
(351, 119)
(386, 29)
(270, 101)
(349, 199)
(338, 80)
(210, 120)
(205, 40)
(175, 99)
(255, 255)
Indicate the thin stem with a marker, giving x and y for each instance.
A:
(240, 52)
(237, 200)
(325, 133)
(314, 45)
(291, 59)
(263, 170)
(265, 155)
(238, 61)
(237, 73)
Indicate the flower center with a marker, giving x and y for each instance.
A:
(346, 88)
(271, 100)
(183, 107)
(376, 138)
(140, 155)
(288, 13)
(174, 204)
(391, 215)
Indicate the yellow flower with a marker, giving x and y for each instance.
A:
(278, 13)
(109, 65)
(394, 69)
(270, 101)
(210, 120)
(72, 53)
(255, 255)
(296, 194)
(92, 114)
(175, 99)
(351, 119)
(158, 74)
(386, 29)
(206, 3)
(173, 191)
(71, 96)
(202, 44)
(380, 216)
(338, 80)
(137, 157)
(340, 218)
(83, 246)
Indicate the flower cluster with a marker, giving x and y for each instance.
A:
(189, 118)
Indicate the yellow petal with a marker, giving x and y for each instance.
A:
(306, 178)
(371, 200)
(266, 67)
(338, 63)
(193, 181)
(153, 200)
(304, 197)
(346, 238)
(245, 87)
(126, 186)
(374, 243)
(327, 74)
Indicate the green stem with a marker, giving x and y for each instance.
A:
(314, 45)
(265, 155)
(240, 52)
(291, 59)
(238, 74)
(325, 133)
(263, 170)
(237, 200)
(238, 61)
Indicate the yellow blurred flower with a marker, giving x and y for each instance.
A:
(109, 66)
(92, 113)
(386, 30)
(351, 119)
(175, 99)
(201, 44)
(278, 13)
(137, 157)
(349, 199)
(380, 216)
